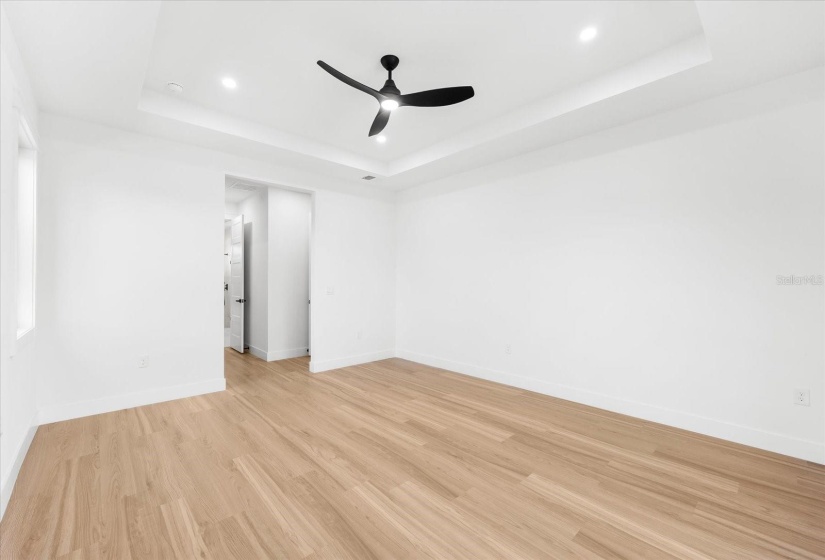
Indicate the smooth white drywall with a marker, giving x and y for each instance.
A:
(18, 405)
(353, 281)
(255, 210)
(289, 242)
(129, 229)
(129, 263)
(641, 280)
(231, 210)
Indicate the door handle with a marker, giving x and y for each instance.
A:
(241, 300)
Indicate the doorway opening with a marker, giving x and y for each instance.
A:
(267, 276)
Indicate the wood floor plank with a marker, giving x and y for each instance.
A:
(396, 460)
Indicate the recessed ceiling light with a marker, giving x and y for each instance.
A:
(588, 33)
(172, 86)
(229, 83)
(381, 139)
(389, 104)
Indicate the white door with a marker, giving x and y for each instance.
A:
(236, 299)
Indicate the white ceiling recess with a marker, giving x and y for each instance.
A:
(536, 83)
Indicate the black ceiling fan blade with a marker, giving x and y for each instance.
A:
(437, 97)
(349, 81)
(381, 120)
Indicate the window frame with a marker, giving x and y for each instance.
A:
(26, 144)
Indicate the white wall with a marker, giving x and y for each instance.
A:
(641, 280)
(128, 267)
(231, 209)
(17, 382)
(353, 256)
(255, 210)
(289, 239)
(128, 230)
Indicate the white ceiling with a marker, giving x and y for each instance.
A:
(271, 49)
(536, 84)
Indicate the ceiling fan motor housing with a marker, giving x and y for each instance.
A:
(389, 88)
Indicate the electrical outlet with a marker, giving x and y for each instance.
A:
(507, 349)
(802, 397)
(330, 290)
(143, 361)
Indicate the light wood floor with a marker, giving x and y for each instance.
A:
(397, 460)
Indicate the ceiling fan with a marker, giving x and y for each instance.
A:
(390, 97)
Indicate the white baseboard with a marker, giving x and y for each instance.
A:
(326, 365)
(277, 354)
(11, 478)
(770, 441)
(58, 413)
(257, 352)
(286, 354)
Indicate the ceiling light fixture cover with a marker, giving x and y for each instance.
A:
(172, 86)
(229, 83)
(588, 34)
(389, 104)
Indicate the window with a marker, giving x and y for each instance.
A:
(26, 196)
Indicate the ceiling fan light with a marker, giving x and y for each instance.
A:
(389, 104)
